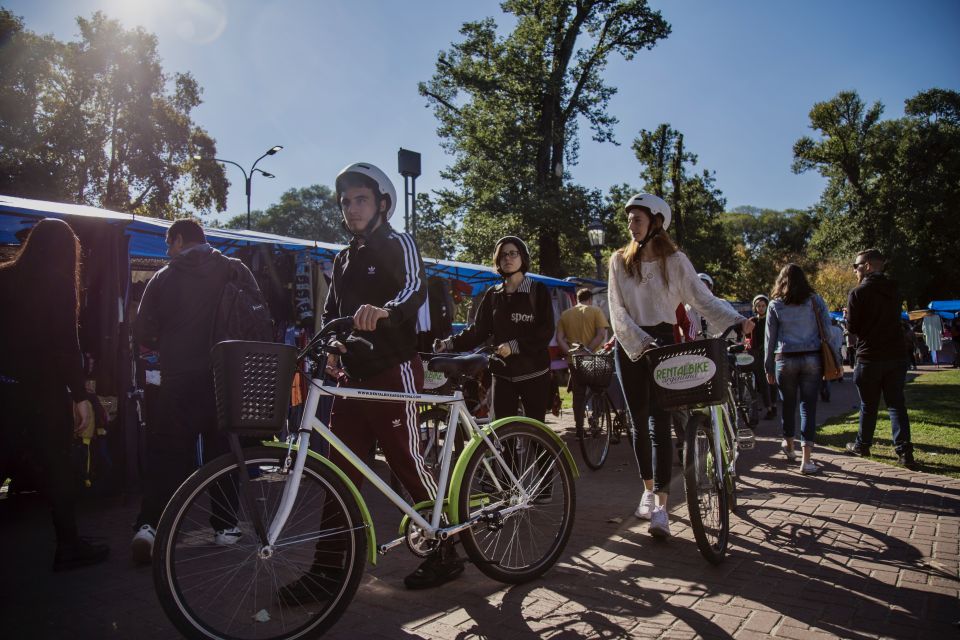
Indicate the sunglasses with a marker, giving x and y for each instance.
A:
(857, 265)
(509, 254)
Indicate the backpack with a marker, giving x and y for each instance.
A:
(242, 312)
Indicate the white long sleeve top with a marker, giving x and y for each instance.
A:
(647, 301)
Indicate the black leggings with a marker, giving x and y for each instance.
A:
(651, 430)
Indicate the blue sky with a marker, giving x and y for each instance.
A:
(335, 81)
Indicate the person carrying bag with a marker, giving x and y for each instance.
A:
(832, 369)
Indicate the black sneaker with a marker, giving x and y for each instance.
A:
(906, 460)
(312, 587)
(858, 449)
(80, 553)
(440, 567)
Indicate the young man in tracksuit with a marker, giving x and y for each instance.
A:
(379, 280)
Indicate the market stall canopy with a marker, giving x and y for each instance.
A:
(147, 235)
(945, 308)
(147, 239)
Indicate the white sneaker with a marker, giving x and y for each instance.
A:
(142, 545)
(659, 523)
(648, 502)
(227, 537)
(809, 469)
(790, 453)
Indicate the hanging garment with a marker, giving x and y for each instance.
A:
(933, 332)
(303, 290)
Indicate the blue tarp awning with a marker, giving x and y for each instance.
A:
(947, 309)
(147, 239)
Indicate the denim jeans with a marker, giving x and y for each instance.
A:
(799, 378)
(886, 377)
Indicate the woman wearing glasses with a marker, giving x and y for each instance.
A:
(517, 317)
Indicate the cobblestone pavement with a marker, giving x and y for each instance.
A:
(863, 550)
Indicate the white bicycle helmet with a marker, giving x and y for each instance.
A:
(655, 204)
(706, 278)
(757, 298)
(384, 184)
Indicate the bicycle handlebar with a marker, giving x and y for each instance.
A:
(341, 328)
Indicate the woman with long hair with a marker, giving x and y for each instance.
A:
(649, 278)
(41, 371)
(792, 357)
(517, 315)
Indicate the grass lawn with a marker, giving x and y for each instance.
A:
(933, 403)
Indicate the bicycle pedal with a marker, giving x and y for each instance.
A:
(746, 439)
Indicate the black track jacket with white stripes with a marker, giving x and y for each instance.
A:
(386, 271)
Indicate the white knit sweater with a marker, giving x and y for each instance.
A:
(647, 301)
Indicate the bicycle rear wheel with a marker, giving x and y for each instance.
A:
(705, 490)
(522, 545)
(598, 424)
(215, 588)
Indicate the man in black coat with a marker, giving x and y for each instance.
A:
(874, 310)
(176, 317)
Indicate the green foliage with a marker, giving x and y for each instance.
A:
(310, 213)
(508, 110)
(833, 280)
(695, 201)
(97, 121)
(763, 241)
(934, 407)
(892, 184)
(436, 232)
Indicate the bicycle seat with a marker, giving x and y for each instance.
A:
(736, 348)
(469, 365)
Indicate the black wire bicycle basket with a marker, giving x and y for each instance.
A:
(593, 369)
(690, 373)
(253, 381)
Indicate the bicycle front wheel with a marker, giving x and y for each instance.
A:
(598, 424)
(214, 585)
(705, 491)
(521, 545)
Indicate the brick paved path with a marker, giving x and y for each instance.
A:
(863, 550)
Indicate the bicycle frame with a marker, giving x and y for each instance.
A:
(724, 434)
(459, 417)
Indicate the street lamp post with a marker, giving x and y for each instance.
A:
(596, 233)
(247, 176)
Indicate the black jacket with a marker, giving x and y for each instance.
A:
(386, 271)
(524, 320)
(873, 316)
(179, 304)
(758, 337)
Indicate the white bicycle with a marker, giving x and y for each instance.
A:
(509, 495)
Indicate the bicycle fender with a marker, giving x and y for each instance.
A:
(456, 478)
(364, 511)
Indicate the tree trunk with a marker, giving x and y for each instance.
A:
(677, 179)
